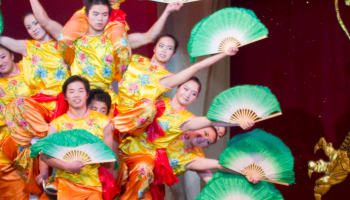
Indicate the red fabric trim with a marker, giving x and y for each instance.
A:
(109, 186)
(154, 130)
(163, 174)
(117, 15)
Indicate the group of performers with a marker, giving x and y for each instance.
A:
(64, 82)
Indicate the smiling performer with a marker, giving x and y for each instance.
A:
(12, 84)
(96, 37)
(75, 180)
(146, 162)
(145, 80)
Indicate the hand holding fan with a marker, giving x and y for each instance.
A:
(240, 104)
(1, 22)
(226, 186)
(225, 28)
(272, 161)
(74, 145)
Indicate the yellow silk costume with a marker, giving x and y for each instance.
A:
(45, 69)
(179, 155)
(170, 121)
(100, 59)
(137, 92)
(94, 122)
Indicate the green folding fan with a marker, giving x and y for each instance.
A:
(272, 162)
(244, 103)
(1, 22)
(72, 145)
(225, 28)
(226, 186)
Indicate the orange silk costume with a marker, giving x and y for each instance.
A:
(86, 184)
(137, 155)
(12, 184)
(137, 92)
(99, 59)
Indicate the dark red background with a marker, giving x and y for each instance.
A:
(306, 63)
(140, 16)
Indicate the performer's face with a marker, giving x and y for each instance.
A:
(164, 50)
(76, 95)
(98, 17)
(6, 61)
(33, 27)
(99, 106)
(202, 138)
(187, 93)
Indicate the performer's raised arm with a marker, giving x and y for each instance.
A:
(139, 39)
(184, 75)
(51, 26)
(17, 46)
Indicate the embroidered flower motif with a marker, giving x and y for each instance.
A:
(13, 82)
(121, 81)
(122, 68)
(142, 171)
(103, 41)
(26, 175)
(10, 124)
(59, 75)
(82, 56)
(144, 79)
(109, 59)
(141, 59)
(140, 120)
(37, 44)
(60, 36)
(185, 151)
(133, 87)
(143, 141)
(153, 68)
(20, 101)
(90, 122)
(145, 100)
(20, 149)
(41, 72)
(68, 125)
(89, 70)
(23, 124)
(84, 40)
(173, 162)
(140, 193)
(55, 46)
(35, 60)
(164, 125)
(123, 42)
(107, 72)
(2, 108)
(172, 111)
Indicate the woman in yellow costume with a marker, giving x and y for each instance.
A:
(145, 80)
(12, 84)
(144, 165)
(44, 71)
(96, 42)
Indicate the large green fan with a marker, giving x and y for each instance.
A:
(225, 28)
(226, 186)
(1, 22)
(254, 157)
(74, 145)
(244, 103)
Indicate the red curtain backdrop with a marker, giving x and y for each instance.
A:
(306, 63)
(140, 16)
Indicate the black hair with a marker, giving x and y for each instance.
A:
(30, 12)
(73, 79)
(89, 3)
(176, 42)
(216, 134)
(195, 79)
(3, 47)
(100, 95)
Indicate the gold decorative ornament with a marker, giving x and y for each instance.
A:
(347, 2)
(336, 170)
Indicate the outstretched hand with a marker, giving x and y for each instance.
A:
(254, 180)
(231, 51)
(75, 166)
(173, 7)
(39, 179)
(247, 125)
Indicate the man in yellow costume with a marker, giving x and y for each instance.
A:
(75, 180)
